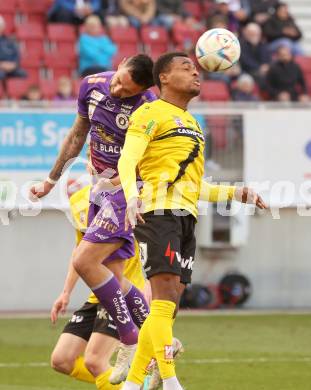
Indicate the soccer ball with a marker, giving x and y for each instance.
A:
(217, 50)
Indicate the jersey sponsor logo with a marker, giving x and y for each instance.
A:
(143, 253)
(101, 236)
(126, 109)
(170, 254)
(123, 315)
(178, 121)
(190, 132)
(185, 263)
(96, 95)
(102, 314)
(91, 109)
(76, 319)
(109, 105)
(168, 352)
(122, 121)
(93, 80)
(150, 126)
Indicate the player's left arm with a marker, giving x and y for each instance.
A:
(223, 193)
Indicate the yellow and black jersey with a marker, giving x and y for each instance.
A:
(172, 164)
(79, 207)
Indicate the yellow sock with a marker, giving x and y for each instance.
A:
(102, 382)
(80, 372)
(161, 333)
(143, 356)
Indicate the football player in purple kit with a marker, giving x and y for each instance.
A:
(106, 100)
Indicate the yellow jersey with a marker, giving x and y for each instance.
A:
(172, 165)
(79, 207)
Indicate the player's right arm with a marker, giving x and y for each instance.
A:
(61, 303)
(140, 132)
(71, 147)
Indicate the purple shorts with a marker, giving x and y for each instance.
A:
(106, 225)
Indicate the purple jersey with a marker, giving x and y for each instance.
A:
(109, 119)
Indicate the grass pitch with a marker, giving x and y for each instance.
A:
(234, 352)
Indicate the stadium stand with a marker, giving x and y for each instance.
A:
(49, 50)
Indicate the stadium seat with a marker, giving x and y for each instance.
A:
(59, 59)
(31, 49)
(305, 63)
(16, 87)
(1, 91)
(155, 39)
(126, 38)
(184, 37)
(48, 88)
(218, 128)
(216, 91)
(34, 11)
(61, 32)
(9, 22)
(30, 32)
(193, 8)
(8, 6)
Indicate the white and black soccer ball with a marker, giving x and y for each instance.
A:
(217, 50)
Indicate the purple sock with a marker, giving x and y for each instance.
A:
(137, 306)
(111, 298)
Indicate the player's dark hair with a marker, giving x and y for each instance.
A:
(162, 64)
(140, 68)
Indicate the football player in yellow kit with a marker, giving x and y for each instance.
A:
(89, 339)
(166, 144)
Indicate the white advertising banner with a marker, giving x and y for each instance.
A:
(277, 155)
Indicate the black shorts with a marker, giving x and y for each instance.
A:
(167, 244)
(91, 317)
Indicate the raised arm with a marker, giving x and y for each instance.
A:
(71, 147)
(223, 193)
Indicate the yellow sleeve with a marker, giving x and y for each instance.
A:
(216, 193)
(79, 236)
(140, 132)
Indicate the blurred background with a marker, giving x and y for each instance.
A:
(256, 118)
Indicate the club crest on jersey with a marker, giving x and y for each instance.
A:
(96, 95)
(122, 121)
(109, 105)
(178, 121)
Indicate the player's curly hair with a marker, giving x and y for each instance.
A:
(162, 64)
(140, 68)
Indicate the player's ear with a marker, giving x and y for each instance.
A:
(163, 78)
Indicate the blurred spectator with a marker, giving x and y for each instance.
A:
(96, 50)
(285, 80)
(171, 11)
(33, 94)
(222, 10)
(261, 10)
(255, 56)
(73, 11)
(240, 8)
(64, 90)
(281, 30)
(113, 16)
(9, 56)
(244, 91)
(139, 12)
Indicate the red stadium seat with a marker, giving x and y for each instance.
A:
(216, 91)
(1, 91)
(57, 59)
(218, 127)
(126, 38)
(8, 6)
(16, 87)
(193, 8)
(30, 32)
(48, 88)
(31, 49)
(308, 82)
(9, 22)
(305, 63)
(32, 6)
(184, 37)
(61, 32)
(155, 39)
